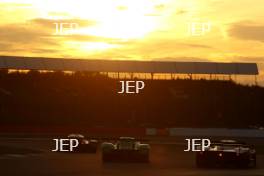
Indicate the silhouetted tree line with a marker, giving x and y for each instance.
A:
(91, 100)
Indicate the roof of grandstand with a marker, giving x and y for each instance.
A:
(60, 64)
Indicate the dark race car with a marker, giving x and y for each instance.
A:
(85, 145)
(126, 149)
(227, 153)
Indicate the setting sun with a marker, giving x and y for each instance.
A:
(124, 19)
(195, 30)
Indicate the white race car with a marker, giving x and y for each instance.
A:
(126, 149)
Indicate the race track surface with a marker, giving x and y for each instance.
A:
(33, 157)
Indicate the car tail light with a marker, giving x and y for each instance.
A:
(85, 142)
(252, 151)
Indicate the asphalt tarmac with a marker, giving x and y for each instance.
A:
(33, 157)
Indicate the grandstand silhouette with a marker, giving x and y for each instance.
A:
(89, 99)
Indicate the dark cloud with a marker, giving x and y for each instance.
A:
(44, 51)
(4, 46)
(196, 46)
(249, 59)
(37, 36)
(19, 34)
(24, 38)
(85, 38)
(40, 31)
(183, 59)
(247, 31)
(174, 45)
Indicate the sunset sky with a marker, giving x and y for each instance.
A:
(135, 29)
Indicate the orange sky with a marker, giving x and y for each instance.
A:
(135, 29)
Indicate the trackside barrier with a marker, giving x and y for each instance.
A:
(157, 132)
(151, 131)
(96, 131)
(217, 132)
